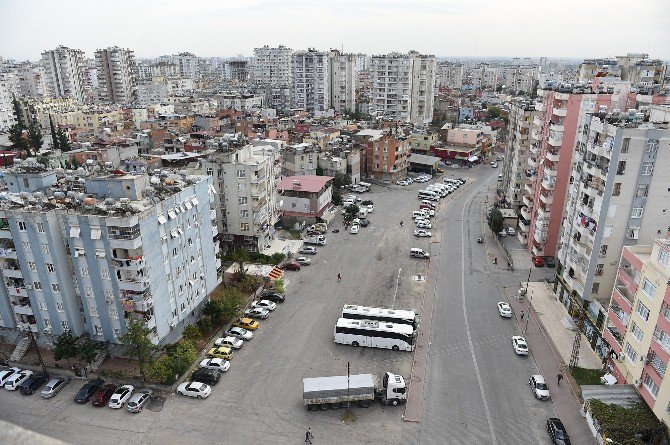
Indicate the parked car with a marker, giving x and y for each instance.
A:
(370, 208)
(257, 312)
(423, 224)
(354, 229)
(267, 304)
(230, 341)
(310, 250)
(538, 261)
(29, 386)
(121, 396)
(194, 389)
(13, 383)
(246, 323)
(204, 375)
(511, 231)
(303, 261)
(549, 261)
(223, 352)
(494, 164)
(504, 309)
(6, 374)
(292, 266)
(54, 386)
(519, 344)
(139, 400)
(557, 432)
(240, 333)
(539, 387)
(364, 222)
(273, 296)
(367, 202)
(422, 233)
(102, 395)
(502, 233)
(415, 252)
(217, 364)
(87, 391)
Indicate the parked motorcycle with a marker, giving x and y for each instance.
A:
(480, 240)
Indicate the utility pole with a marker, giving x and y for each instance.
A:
(574, 358)
(39, 355)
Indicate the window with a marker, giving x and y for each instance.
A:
(54, 287)
(651, 146)
(650, 385)
(621, 168)
(89, 292)
(599, 269)
(617, 189)
(636, 212)
(50, 268)
(244, 226)
(625, 144)
(64, 325)
(649, 289)
(42, 305)
(22, 226)
(241, 187)
(662, 338)
(59, 307)
(37, 285)
(107, 293)
(241, 174)
(174, 251)
(98, 329)
(94, 311)
(637, 332)
(642, 191)
(642, 311)
(105, 274)
(595, 288)
(26, 246)
(631, 354)
(663, 256)
(113, 313)
(242, 200)
(244, 213)
(647, 168)
(210, 171)
(84, 272)
(603, 250)
(40, 227)
(32, 266)
(45, 248)
(117, 332)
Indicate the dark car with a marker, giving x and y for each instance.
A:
(367, 202)
(292, 266)
(557, 431)
(365, 222)
(102, 395)
(34, 381)
(87, 391)
(538, 261)
(273, 296)
(549, 261)
(204, 375)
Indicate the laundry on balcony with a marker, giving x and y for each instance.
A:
(586, 221)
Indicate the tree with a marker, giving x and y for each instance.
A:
(54, 135)
(63, 141)
(337, 197)
(205, 324)
(340, 180)
(240, 257)
(192, 333)
(18, 114)
(231, 303)
(351, 212)
(160, 370)
(16, 137)
(493, 113)
(214, 310)
(87, 349)
(319, 170)
(138, 344)
(182, 356)
(65, 347)
(35, 139)
(496, 220)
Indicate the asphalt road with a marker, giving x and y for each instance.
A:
(477, 389)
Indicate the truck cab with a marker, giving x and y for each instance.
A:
(393, 390)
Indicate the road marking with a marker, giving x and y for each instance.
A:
(397, 284)
(467, 325)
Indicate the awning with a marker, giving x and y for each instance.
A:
(161, 219)
(188, 205)
(172, 214)
(74, 232)
(174, 233)
(473, 159)
(182, 208)
(194, 200)
(96, 233)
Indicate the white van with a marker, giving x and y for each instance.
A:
(420, 214)
(427, 194)
(441, 193)
(418, 253)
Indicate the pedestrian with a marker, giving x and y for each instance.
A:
(495, 260)
(522, 315)
(559, 377)
(339, 277)
(308, 435)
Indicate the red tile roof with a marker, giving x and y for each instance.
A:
(308, 183)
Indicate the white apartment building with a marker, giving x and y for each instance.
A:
(618, 197)
(342, 77)
(403, 87)
(116, 75)
(153, 92)
(450, 75)
(7, 85)
(311, 80)
(361, 62)
(643, 73)
(31, 80)
(65, 71)
(271, 73)
(245, 182)
(186, 64)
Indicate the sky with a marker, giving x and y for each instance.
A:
(459, 28)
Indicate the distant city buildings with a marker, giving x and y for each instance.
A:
(65, 73)
(116, 75)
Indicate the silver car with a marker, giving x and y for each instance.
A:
(138, 400)
(54, 386)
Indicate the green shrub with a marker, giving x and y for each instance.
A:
(192, 333)
(205, 325)
(183, 355)
(279, 285)
(160, 370)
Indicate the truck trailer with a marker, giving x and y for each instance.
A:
(319, 240)
(323, 393)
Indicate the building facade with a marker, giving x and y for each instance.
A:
(271, 72)
(65, 73)
(387, 158)
(116, 75)
(311, 80)
(342, 77)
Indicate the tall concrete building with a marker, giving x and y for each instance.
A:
(65, 73)
(31, 80)
(7, 88)
(271, 72)
(342, 76)
(450, 75)
(644, 73)
(116, 75)
(88, 253)
(403, 87)
(311, 80)
(618, 197)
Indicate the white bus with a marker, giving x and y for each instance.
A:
(354, 312)
(375, 334)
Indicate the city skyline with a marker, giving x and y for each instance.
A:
(445, 29)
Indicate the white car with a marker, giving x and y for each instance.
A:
(504, 309)
(216, 364)
(356, 222)
(409, 180)
(13, 383)
(230, 341)
(267, 304)
(303, 261)
(519, 344)
(423, 224)
(311, 250)
(257, 312)
(402, 182)
(423, 220)
(539, 387)
(240, 333)
(7, 374)
(422, 233)
(121, 396)
(511, 231)
(354, 229)
(194, 389)
(370, 208)
(494, 165)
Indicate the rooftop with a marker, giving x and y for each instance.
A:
(306, 183)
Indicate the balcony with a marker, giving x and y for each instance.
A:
(554, 142)
(558, 128)
(561, 112)
(11, 269)
(537, 121)
(529, 188)
(552, 156)
(129, 244)
(625, 276)
(525, 213)
(532, 163)
(538, 251)
(539, 106)
(17, 290)
(549, 171)
(613, 336)
(4, 230)
(134, 285)
(540, 236)
(546, 198)
(22, 309)
(547, 184)
(523, 225)
(536, 135)
(527, 201)
(8, 252)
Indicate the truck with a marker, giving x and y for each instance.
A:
(323, 393)
(315, 239)
(321, 227)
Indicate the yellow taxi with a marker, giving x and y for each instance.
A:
(246, 323)
(223, 352)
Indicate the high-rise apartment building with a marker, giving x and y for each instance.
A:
(65, 73)
(271, 73)
(7, 88)
(618, 197)
(116, 75)
(403, 86)
(88, 253)
(311, 80)
(342, 77)
(642, 72)
(31, 80)
(450, 75)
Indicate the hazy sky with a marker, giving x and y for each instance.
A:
(478, 28)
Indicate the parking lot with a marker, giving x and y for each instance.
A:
(260, 397)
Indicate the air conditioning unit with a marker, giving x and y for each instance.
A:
(173, 324)
(638, 382)
(645, 360)
(109, 300)
(47, 330)
(621, 358)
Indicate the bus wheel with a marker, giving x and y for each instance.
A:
(354, 344)
(364, 404)
(395, 348)
(394, 402)
(323, 406)
(335, 405)
(312, 407)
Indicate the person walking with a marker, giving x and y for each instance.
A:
(522, 315)
(308, 435)
(559, 377)
(339, 277)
